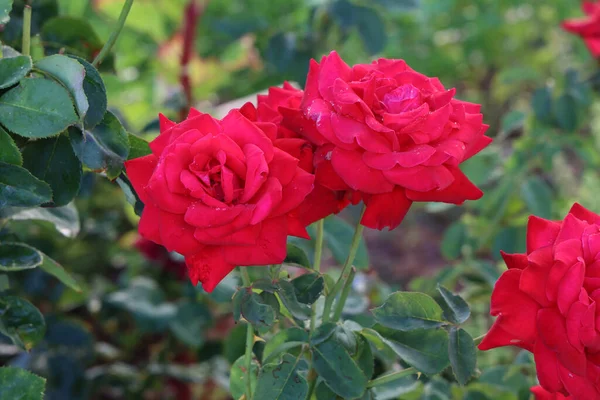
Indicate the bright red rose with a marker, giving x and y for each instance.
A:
(546, 303)
(219, 193)
(390, 134)
(281, 106)
(542, 394)
(588, 27)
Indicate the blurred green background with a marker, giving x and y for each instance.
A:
(141, 331)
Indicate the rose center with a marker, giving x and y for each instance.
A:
(402, 99)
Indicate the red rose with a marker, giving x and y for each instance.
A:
(219, 193)
(281, 106)
(391, 135)
(157, 253)
(588, 27)
(546, 303)
(542, 394)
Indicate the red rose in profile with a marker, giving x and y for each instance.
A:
(281, 106)
(219, 193)
(542, 394)
(390, 134)
(546, 303)
(588, 27)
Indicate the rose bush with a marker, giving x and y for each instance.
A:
(219, 193)
(546, 303)
(390, 136)
(587, 27)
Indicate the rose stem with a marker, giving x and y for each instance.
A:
(26, 44)
(115, 34)
(345, 270)
(312, 374)
(249, 340)
(382, 380)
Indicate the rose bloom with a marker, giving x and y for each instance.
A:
(281, 106)
(219, 193)
(587, 27)
(542, 394)
(546, 303)
(390, 135)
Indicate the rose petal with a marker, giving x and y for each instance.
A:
(139, 170)
(355, 173)
(386, 210)
(540, 233)
(460, 190)
(208, 267)
(270, 247)
(411, 158)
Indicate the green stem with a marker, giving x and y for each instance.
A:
(319, 245)
(478, 339)
(345, 270)
(115, 35)
(312, 374)
(339, 306)
(382, 380)
(249, 340)
(312, 382)
(26, 45)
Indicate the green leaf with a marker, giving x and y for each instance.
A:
(53, 161)
(296, 255)
(456, 310)
(338, 236)
(513, 120)
(18, 257)
(55, 269)
(364, 356)
(37, 108)
(139, 147)
(407, 311)
(287, 294)
(19, 384)
(65, 219)
(21, 321)
(462, 354)
(9, 152)
(308, 287)
(538, 197)
(133, 198)
(104, 148)
(252, 308)
(13, 69)
(454, 238)
(237, 378)
(190, 322)
(5, 7)
(283, 341)
(424, 349)
(371, 28)
(566, 112)
(322, 392)
(95, 92)
(334, 363)
(541, 102)
(282, 381)
(18, 188)
(145, 300)
(70, 74)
